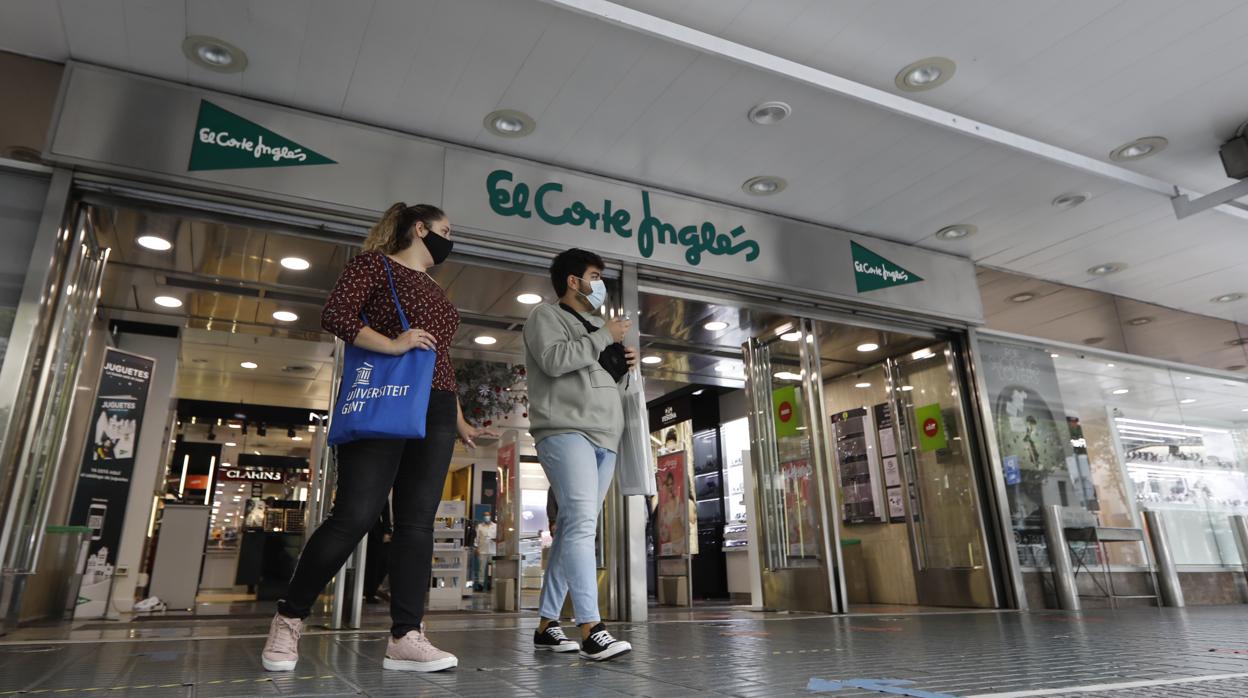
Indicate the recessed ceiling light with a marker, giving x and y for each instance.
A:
(1093, 341)
(285, 316)
(764, 185)
(769, 113)
(1236, 367)
(1237, 342)
(699, 391)
(529, 298)
(509, 123)
(1187, 401)
(956, 232)
(1055, 356)
(926, 74)
(229, 444)
(155, 242)
(1139, 148)
(924, 353)
(1023, 297)
(788, 376)
(1227, 298)
(1106, 269)
(296, 438)
(716, 325)
(168, 301)
(651, 360)
(1069, 200)
(1121, 391)
(791, 336)
(249, 365)
(862, 385)
(214, 54)
(295, 263)
(907, 388)
(868, 346)
(1109, 365)
(484, 340)
(1139, 321)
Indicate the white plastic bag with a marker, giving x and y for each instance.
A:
(634, 465)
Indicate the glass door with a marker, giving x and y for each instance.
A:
(943, 509)
(798, 549)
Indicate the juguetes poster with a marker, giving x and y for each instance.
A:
(673, 529)
(799, 508)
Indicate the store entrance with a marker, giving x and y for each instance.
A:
(869, 425)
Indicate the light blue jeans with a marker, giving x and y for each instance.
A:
(580, 473)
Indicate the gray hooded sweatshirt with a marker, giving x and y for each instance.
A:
(569, 393)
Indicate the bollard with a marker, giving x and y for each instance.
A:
(1167, 574)
(1059, 558)
(1239, 526)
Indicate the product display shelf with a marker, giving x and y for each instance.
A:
(450, 558)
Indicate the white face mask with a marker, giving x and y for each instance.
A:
(597, 295)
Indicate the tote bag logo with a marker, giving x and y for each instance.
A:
(227, 141)
(363, 374)
(872, 272)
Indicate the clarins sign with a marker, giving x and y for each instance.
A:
(254, 475)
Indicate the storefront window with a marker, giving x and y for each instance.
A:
(1108, 439)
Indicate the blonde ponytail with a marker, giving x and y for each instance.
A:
(393, 233)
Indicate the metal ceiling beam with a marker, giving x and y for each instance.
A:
(703, 42)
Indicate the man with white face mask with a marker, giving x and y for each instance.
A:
(574, 360)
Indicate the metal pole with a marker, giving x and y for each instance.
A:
(1059, 558)
(1167, 574)
(357, 602)
(340, 594)
(1239, 526)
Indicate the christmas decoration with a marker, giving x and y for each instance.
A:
(486, 390)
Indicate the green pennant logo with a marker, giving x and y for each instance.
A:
(872, 272)
(226, 141)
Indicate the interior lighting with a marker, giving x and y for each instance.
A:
(1138, 149)
(1227, 298)
(285, 316)
(716, 325)
(295, 263)
(1067, 201)
(868, 347)
(862, 385)
(509, 123)
(956, 232)
(249, 365)
(214, 54)
(529, 298)
(651, 360)
(788, 376)
(1107, 269)
(768, 113)
(764, 185)
(155, 242)
(791, 336)
(925, 74)
(485, 340)
(168, 301)
(1022, 297)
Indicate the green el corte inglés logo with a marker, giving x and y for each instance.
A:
(227, 141)
(698, 240)
(872, 272)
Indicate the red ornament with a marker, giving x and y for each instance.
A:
(526, 415)
(488, 422)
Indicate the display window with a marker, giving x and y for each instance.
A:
(1108, 438)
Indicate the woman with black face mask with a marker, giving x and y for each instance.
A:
(406, 242)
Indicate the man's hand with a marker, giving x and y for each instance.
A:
(618, 327)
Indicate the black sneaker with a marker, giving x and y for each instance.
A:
(553, 639)
(601, 646)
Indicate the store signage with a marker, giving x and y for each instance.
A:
(247, 474)
(512, 198)
(672, 514)
(872, 272)
(932, 435)
(784, 411)
(227, 141)
(107, 465)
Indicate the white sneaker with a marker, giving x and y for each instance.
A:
(601, 645)
(414, 652)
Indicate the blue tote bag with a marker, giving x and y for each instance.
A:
(383, 396)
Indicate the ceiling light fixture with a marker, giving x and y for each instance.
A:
(168, 301)
(509, 123)
(788, 376)
(764, 185)
(484, 340)
(907, 388)
(285, 316)
(1022, 297)
(155, 242)
(1138, 149)
(295, 263)
(699, 391)
(768, 113)
(296, 438)
(229, 444)
(921, 354)
(862, 385)
(1187, 401)
(926, 74)
(1139, 321)
(651, 360)
(1069, 200)
(1106, 269)
(1227, 298)
(1055, 356)
(214, 54)
(867, 347)
(956, 232)
(1121, 391)
(529, 298)
(791, 336)
(715, 325)
(249, 365)
(1093, 341)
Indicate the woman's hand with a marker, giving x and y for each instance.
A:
(469, 434)
(630, 355)
(412, 339)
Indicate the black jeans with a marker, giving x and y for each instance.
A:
(367, 470)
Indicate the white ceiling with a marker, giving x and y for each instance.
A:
(1087, 75)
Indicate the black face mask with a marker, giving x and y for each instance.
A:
(438, 246)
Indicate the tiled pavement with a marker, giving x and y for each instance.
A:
(733, 653)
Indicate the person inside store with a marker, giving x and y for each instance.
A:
(487, 547)
(403, 245)
(575, 362)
